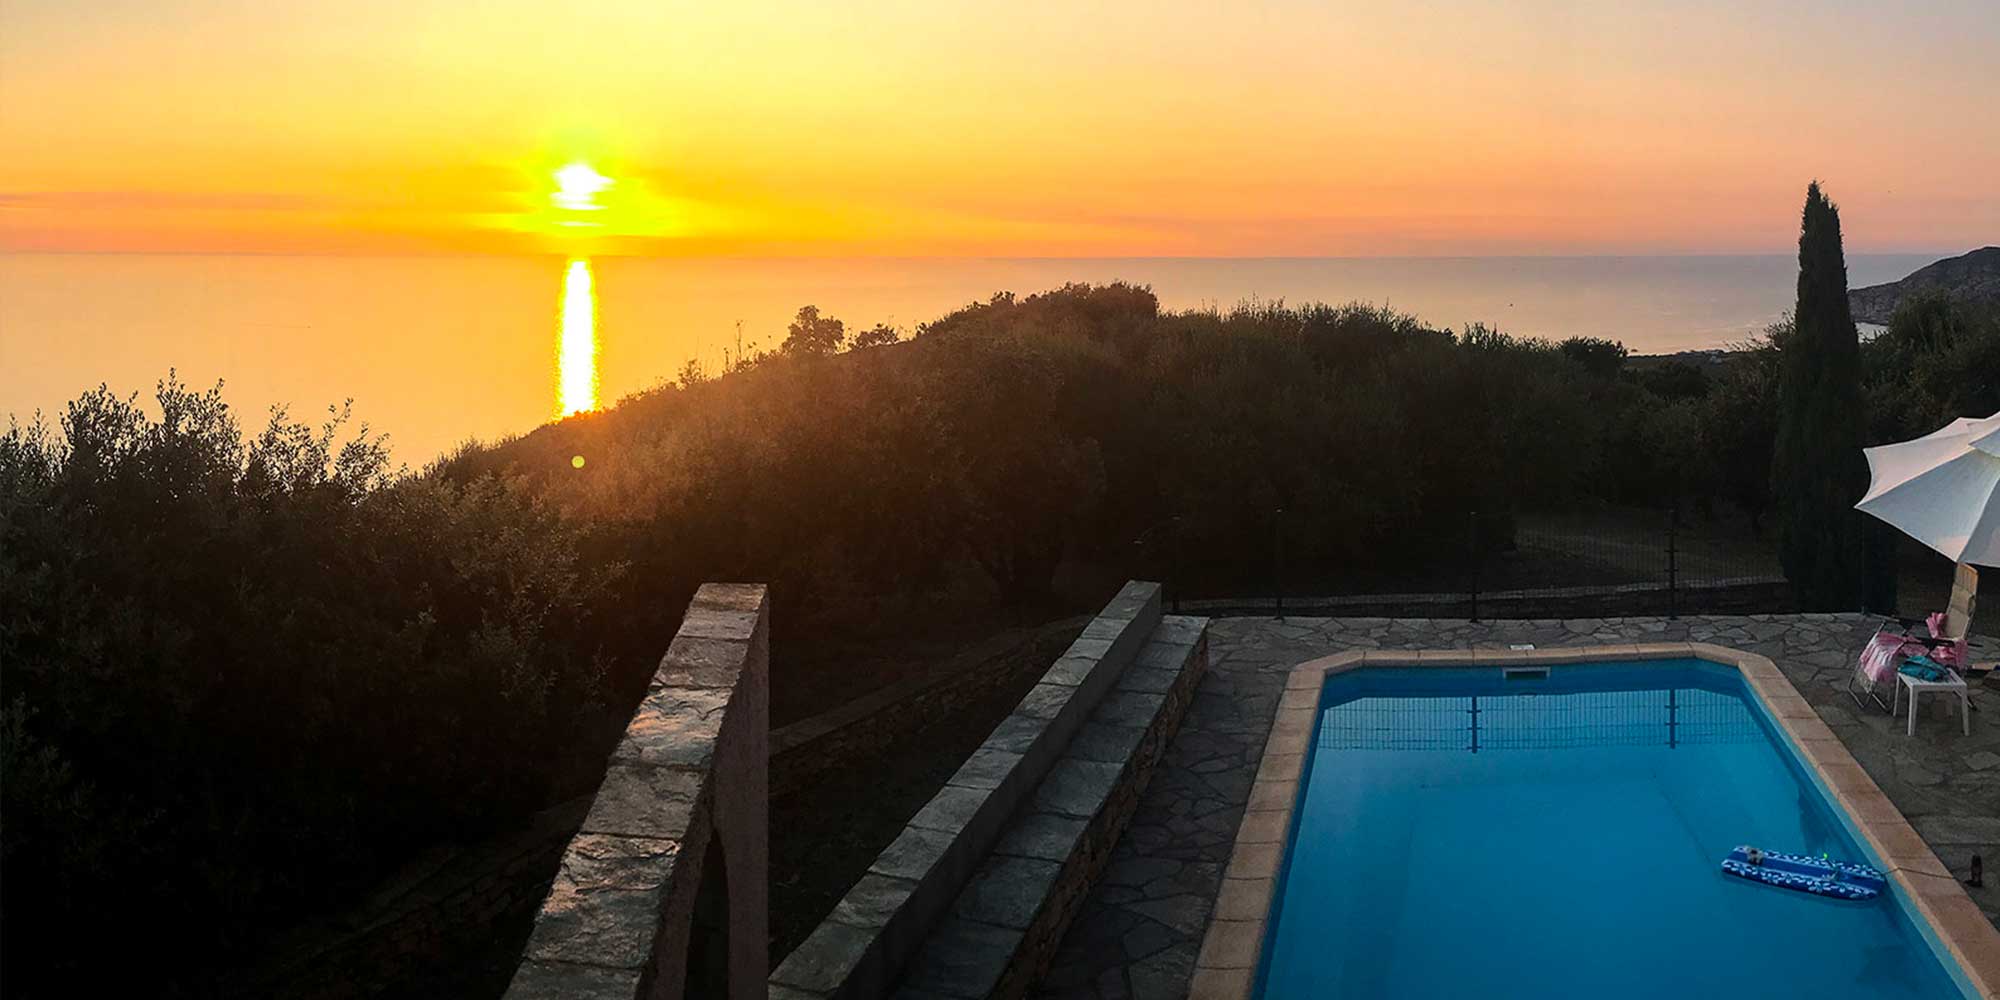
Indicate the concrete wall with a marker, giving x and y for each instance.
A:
(637, 907)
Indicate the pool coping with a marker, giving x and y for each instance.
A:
(1233, 945)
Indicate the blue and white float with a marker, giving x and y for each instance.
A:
(1820, 876)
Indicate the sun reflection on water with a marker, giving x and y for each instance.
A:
(576, 351)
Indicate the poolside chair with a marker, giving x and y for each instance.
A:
(1895, 640)
(1972, 663)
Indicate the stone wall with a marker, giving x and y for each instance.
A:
(661, 893)
(860, 950)
(1179, 672)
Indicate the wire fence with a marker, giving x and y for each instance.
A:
(1671, 718)
(1526, 563)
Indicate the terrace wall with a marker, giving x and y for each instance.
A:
(661, 892)
(862, 949)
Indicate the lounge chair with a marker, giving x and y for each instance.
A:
(1942, 636)
(1895, 640)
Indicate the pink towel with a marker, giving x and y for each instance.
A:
(1884, 653)
(1952, 655)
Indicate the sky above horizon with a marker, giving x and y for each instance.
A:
(1029, 129)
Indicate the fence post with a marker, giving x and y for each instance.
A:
(1673, 567)
(1278, 547)
(1472, 531)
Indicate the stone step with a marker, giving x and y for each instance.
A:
(1004, 927)
(863, 947)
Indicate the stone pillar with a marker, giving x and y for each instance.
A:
(638, 909)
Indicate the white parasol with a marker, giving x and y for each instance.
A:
(1939, 489)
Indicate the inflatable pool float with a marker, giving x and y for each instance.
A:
(1820, 876)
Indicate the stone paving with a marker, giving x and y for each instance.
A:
(1139, 932)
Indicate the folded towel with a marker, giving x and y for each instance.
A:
(1922, 668)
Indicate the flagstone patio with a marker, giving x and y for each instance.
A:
(1139, 932)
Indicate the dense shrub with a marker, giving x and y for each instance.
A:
(1015, 434)
(243, 677)
(1938, 360)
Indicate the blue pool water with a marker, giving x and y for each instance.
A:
(1463, 835)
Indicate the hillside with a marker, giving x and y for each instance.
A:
(460, 647)
(1973, 277)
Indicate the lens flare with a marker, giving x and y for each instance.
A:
(576, 350)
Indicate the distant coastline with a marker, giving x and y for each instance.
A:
(1972, 277)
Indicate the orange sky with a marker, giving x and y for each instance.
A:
(372, 126)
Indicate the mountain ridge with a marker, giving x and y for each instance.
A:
(1973, 276)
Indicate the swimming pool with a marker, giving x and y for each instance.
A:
(1460, 833)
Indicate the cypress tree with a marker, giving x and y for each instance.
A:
(1818, 471)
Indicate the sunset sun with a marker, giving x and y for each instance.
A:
(577, 188)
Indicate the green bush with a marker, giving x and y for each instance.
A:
(1016, 435)
(242, 678)
(1938, 360)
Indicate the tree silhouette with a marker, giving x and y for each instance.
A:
(1817, 470)
(876, 336)
(1596, 355)
(813, 336)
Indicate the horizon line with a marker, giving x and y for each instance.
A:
(1050, 258)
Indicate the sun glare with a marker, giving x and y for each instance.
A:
(576, 353)
(577, 188)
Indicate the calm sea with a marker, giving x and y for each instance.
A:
(435, 350)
